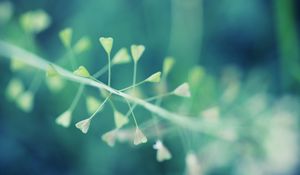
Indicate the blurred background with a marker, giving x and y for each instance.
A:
(240, 58)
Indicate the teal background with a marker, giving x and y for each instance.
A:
(254, 44)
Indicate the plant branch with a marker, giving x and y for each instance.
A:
(13, 52)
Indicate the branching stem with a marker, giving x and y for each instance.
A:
(100, 107)
(134, 74)
(132, 113)
(12, 52)
(109, 69)
(77, 97)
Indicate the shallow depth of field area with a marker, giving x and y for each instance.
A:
(149, 87)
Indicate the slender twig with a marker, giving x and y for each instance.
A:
(132, 86)
(35, 83)
(158, 103)
(100, 107)
(77, 97)
(13, 52)
(71, 58)
(101, 71)
(134, 73)
(109, 69)
(132, 113)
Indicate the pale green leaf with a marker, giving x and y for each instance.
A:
(183, 90)
(84, 125)
(66, 37)
(92, 104)
(136, 92)
(120, 119)
(82, 45)
(136, 52)
(107, 43)
(168, 65)
(121, 57)
(110, 137)
(64, 119)
(154, 78)
(162, 153)
(82, 72)
(25, 101)
(211, 115)
(196, 75)
(193, 165)
(14, 89)
(51, 71)
(35, 21)
(16, 65)
(104, 93)
(55, 84)
(139, 137)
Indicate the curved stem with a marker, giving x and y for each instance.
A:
(132, 86)
(77, 97)
(100, 72)
(112, 105)
(109, 70)
(131, 111)
(158, 97)
(12, 52)
(100, 107)
(158, 103)
(72, 58)
(35, 83)
(134, 74)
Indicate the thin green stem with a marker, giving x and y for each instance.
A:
(112, 105)
(12, 52)
(72, 58)
(132, 86)
(149, 99)
(132, 114)
(77, 97)
(158, 97)
(100, 107)
(109, 69)
(35, 83)
(158, 103)
(100, 72)
(134, 73)
(31, 41)
(129, 111)
(64, 59)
